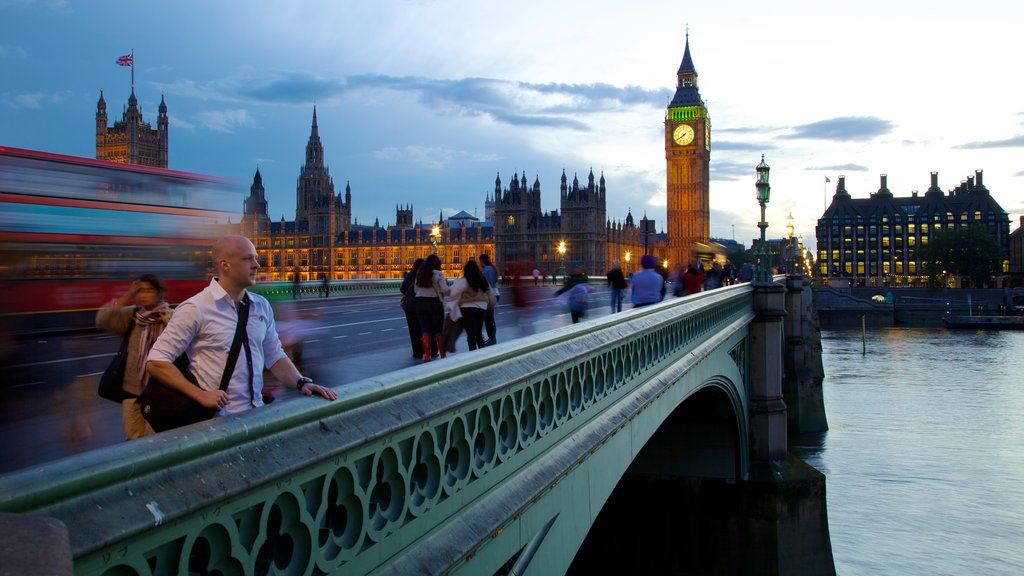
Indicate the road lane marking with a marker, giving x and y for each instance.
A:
(75, 359)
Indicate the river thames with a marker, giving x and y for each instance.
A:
(924, 456)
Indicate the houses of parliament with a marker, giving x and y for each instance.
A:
(323, 241)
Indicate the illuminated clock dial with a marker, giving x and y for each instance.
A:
(683, 134)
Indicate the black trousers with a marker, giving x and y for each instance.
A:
(414, 331)
(492, 329)
(430, 315)
(473, 323)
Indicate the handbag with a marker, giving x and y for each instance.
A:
(111, 384)
(165, 408)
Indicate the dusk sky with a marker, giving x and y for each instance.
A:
(423, 102)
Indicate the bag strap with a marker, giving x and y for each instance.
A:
(236, 344)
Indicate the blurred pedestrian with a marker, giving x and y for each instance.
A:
(325, 285)
(473, 295)
(491, 274)
(746, 272)
(617, 283)
(295, 284)
(648, 286)
(576, 300)
(692, 280)
(713, 278)
(203, 324)
(430, 289)
(536, 276)
(141, 324)
(409, 307)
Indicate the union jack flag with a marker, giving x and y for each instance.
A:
(125, 60)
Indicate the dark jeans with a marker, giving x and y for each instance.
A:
(473, 323)
(492, 329)
(430, 315)
(414, 331)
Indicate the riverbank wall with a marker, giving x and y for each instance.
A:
(893, 306)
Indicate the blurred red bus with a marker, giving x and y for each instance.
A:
(74, 231)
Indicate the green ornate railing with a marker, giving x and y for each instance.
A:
(381, 479)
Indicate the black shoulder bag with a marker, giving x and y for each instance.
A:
(111, 384)
(165, 408)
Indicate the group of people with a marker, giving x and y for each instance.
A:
(648, 285)
(201, 328)
(469, 303)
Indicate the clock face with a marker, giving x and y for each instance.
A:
(683, 134)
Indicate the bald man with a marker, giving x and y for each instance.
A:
(204, 326)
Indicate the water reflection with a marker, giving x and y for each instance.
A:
(924, 451)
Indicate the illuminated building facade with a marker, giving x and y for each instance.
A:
(877, 240)
(131, 140)
(324, 242)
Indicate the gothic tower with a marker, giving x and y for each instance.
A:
(687, 157)
(132, 140)
(583, 222)
(255, 219)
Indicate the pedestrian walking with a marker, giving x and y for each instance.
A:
(491, 273)
(430, 289)
(472, 294)
(693, 280)
(648, 286)
(140, 325)
(202, 325)
(617, 283)
(409, 308)
(576, 300)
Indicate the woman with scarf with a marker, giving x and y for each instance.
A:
(141, 323)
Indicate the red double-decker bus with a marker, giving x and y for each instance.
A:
(75, 231)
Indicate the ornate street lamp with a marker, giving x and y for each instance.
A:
(629, 256)
(435, 236)
(561, 255)
(763, 272)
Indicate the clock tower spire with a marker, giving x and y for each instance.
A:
(688, 158)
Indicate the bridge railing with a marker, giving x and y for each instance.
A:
(356, 485)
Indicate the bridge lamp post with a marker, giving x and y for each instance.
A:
(628, 257)
(790, 243)
(435, 237)
(763, 272)
(561, 255)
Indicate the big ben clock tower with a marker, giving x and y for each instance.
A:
(687, 157)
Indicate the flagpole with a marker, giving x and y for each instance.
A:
(133, 70)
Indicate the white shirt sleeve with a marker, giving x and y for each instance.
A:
(177, 337)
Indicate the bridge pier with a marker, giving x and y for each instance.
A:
(803, 373)
(767, 407)
(781, 517)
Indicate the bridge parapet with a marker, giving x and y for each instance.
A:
(381, 479)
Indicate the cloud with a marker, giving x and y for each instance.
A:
(13, 52)
(741, 146)
(31, 100)
(551, 105)
(721, 170)
(842, 129)
(432, 157)
(838, 168)
(225, 120)
(1015, 142)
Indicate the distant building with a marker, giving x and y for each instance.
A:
(877, 240)
(131, 140)
(1017, 255)
(323, 240)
